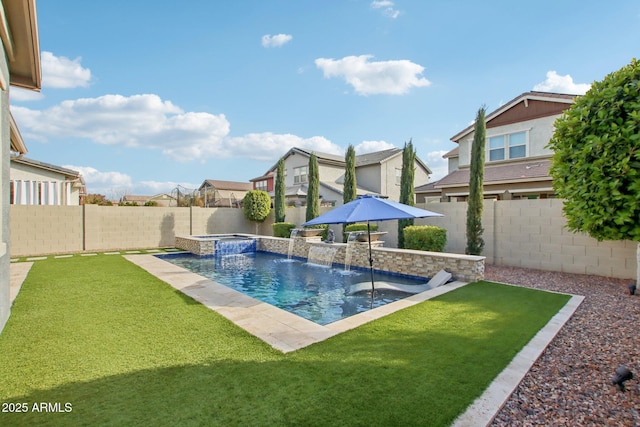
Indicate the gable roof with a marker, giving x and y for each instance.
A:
(226, 185)
(533, 170)
(367, 159)
(527, 106)
(46, 166)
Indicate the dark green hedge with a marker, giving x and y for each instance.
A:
(283, 229)
(425, 238)
(360, 226)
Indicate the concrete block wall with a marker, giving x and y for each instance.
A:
(533, 234)
(39, 230)
(520, 233)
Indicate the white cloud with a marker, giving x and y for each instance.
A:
(438, 165)
(561, 84)
(276, 41)
(371, 146)
(146, 121)
(268, 146)
(374, 77)
(62, 72)
(136, 121)
(114, 184)
(22, 95)
(386, 7)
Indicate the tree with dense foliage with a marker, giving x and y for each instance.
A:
(349, 193)
(313, 191)
(596, 165)
(97, 199)
(407, 195)
(475, 242)
(256, 205)
(279, 200)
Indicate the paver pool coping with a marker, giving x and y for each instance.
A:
(287, 332)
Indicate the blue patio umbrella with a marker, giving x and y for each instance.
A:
(370, 208)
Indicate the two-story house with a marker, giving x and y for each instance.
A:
(376, 173)
(517, 159)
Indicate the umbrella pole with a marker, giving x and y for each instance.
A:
(373, 288)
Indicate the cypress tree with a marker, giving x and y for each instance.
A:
(407, 195)
(349, 193)
(475, 243)
(313, 192)
(279, 202)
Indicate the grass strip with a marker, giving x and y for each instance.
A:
(124, 348)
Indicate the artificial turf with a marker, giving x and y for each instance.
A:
(102, 342)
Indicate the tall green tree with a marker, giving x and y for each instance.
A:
(596, 163)
(350, 189)
(407, 194)
(475, 242)
(279, 202)
(313, 192)
(349, 193)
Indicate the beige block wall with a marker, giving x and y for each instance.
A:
(520, 233)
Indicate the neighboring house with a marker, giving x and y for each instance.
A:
(38, 183)
(162, 199)
(517, 159)
(376, 173)
(223, 194)
(19, 66)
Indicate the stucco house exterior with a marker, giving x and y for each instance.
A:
(161, 199)
(19, 66)
(38, 183)
(517, 159)
(223, 194)
(376, 173)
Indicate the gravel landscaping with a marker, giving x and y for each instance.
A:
(570, 385)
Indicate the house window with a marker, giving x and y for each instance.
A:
(398, 176)
(261, 185)
(300, 174)
(511, 146)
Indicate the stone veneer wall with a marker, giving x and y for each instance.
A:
(195, 245)
(415, 263)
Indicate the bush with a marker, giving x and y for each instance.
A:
(256, 205)
(425, 238)
(360, 226)
(283, 229)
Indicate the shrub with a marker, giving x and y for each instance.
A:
(151, 203)
(283, 229)
(360, 226)
(256, 205)
(425, 238)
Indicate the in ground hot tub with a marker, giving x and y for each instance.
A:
(217, 244)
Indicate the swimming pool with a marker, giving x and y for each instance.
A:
(310, 291)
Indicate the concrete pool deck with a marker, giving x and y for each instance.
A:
(287, 332)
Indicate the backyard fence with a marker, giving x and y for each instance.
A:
(521, 233)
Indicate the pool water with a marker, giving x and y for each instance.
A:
(311, 291)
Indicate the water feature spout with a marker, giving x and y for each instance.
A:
(321, 255)
(353, 235)
(292, 242)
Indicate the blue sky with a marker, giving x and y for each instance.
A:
(143, 96)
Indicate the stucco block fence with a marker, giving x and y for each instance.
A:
(520, 233)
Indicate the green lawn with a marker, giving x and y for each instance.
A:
(124, 348)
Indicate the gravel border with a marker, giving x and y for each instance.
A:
(570, 384)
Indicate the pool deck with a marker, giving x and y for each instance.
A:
(288, 332)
